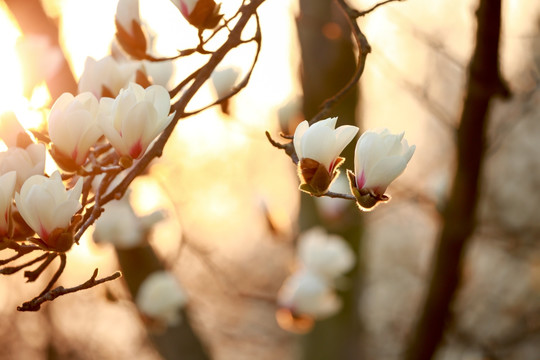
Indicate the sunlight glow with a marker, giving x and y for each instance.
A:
(10, 68)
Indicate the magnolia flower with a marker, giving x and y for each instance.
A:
(135, 118)
(203, 14)
(107, 76)
(161, 297)
(129, 32)
(380, 157)
(306, 294)
(223, 81)
(11, 131)
(47, 207)
(73, 129)
(7, 188)
(318, 147)
(120, 226)
(26, 162)
(326, 255)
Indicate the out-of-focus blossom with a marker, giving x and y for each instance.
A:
(161, 297)
(7, 188)
(135, 118)
(223, 81)
(120, 226)
(324, 254)
(129, 32)
(106, 77)
(73, 129)
(203, 14)
(47, 207)
(306, 293)
(26, 162)
(41, 60)
(11, 131)
(380, 157)
(318, 147)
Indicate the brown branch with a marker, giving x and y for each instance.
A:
(35, 304)
(358, 14)
(363, 50)
(13, 269)
(202, 75)
(33, 275)
(56, 274)
(484, 83)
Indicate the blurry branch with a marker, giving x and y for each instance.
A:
(32, 19)
(433, 43)
(420, 93)
(35, 304)
(363, 50)
(484, 83)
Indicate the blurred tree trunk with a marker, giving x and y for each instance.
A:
(33, 20)
(328, 63)
(484, 83)
(174, 342)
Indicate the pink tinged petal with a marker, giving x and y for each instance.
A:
(136, 150)
(298, 134)
(361, 180)
(141, 125)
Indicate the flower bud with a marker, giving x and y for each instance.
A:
(135, 118)
(106, 77)
(318, 147)
(161, 297)
(223, 81)
(380, 157)
(7, 188)
(26, 162)
(129, 32)
(47, 207)
(203, 14)
(73, 129)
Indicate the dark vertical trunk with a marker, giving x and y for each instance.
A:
(459, 217)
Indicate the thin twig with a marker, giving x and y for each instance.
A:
(358, 14)
(56, 274)
(13, 269)
(35, 304)
(34, 274)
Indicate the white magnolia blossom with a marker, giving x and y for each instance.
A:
(223, 80)
(161, 297)
(185, 6)
(107, 74)
(380, 157)
(7, 188)
(306, 293)
(73, 126)
(135, 118)
(47, 207)
(322, 141)
(326, 255)
(26, 162)
(120, 226)
(127, 11)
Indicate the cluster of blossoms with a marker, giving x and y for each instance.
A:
(380, 157)
(76, 124)
(309, 293)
